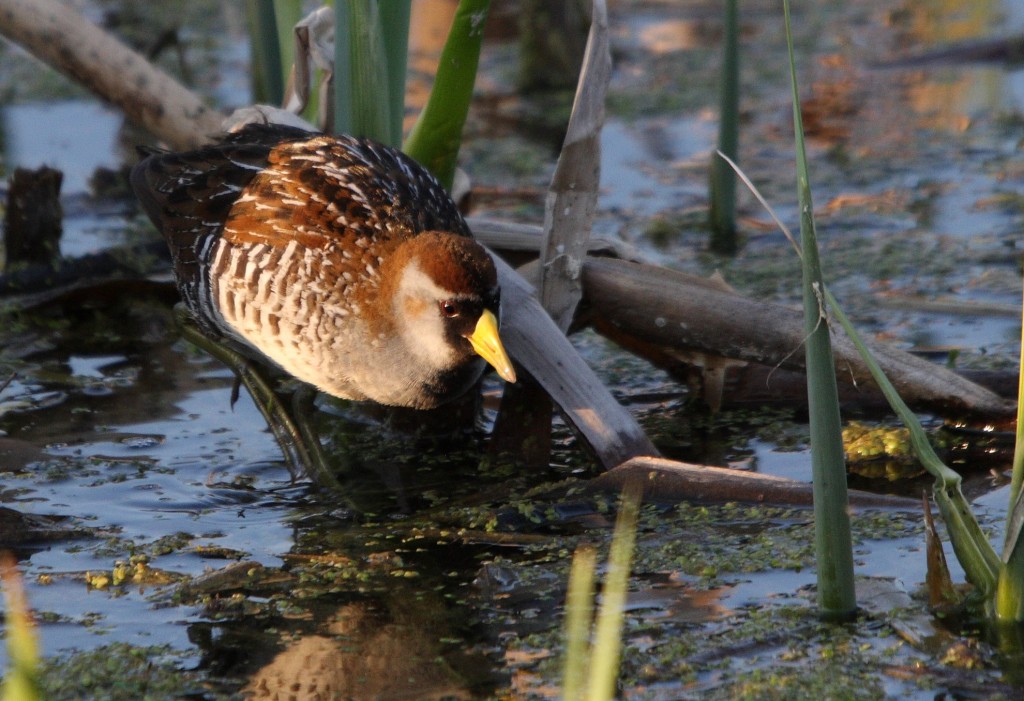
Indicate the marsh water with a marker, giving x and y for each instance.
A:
(183, 552)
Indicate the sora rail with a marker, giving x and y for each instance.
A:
(341, 260)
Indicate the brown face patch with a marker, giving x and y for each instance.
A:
(457, 264)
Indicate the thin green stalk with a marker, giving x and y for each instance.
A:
(723, 178)
(287, 13)
(604, 658)
(579, 609)
(832, 539)
(21, 681)
(394, 16)
(973, 551)
(361, 106)
(435, 138)
(344, 89)
(268, 82)
(1018, 449)
(1009, 600)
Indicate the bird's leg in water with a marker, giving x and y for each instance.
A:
(298, 439)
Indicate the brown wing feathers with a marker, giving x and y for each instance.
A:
(277, 185)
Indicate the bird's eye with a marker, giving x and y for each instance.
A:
(448, 308)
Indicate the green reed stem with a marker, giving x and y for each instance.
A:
(435, 138)
(287, 13)
(362, 104)
(604, 657)
(1009, 600)
(976, 555)
(268, 81)
(1018, 449)
(832, 539)
(579, 611)
(21, 680)
(724, 237)
(1009, 596)
(394, 16)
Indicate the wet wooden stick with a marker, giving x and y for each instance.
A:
(523, 427)
(539, 346)
(666, 316)
(670, 480)
(680, 311)
(572, 198)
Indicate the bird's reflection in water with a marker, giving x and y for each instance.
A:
(362, 653)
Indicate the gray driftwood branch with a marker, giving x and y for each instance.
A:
(670, 316)
(572, 197)
(687, 314)
(525, 416)
(60, 36)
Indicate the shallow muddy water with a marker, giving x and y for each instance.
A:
(426, 569)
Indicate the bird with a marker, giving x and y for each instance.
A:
(339, 259)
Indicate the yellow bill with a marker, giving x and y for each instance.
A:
(487, 344)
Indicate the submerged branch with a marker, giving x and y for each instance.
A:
(670, 480)
(684, 313)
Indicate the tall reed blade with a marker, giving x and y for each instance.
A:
(980, 562)
(394, 18)
(287, 13)
(267, 75)
(1009, 602)
(579, 611)
(973, 551)
(435, 138)
(604, 658)
(572, 197)
(723, 180)
(833, 543)
(361, 106)
(1018, 449)
(21, 681)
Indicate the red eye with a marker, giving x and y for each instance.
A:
(449, 308)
